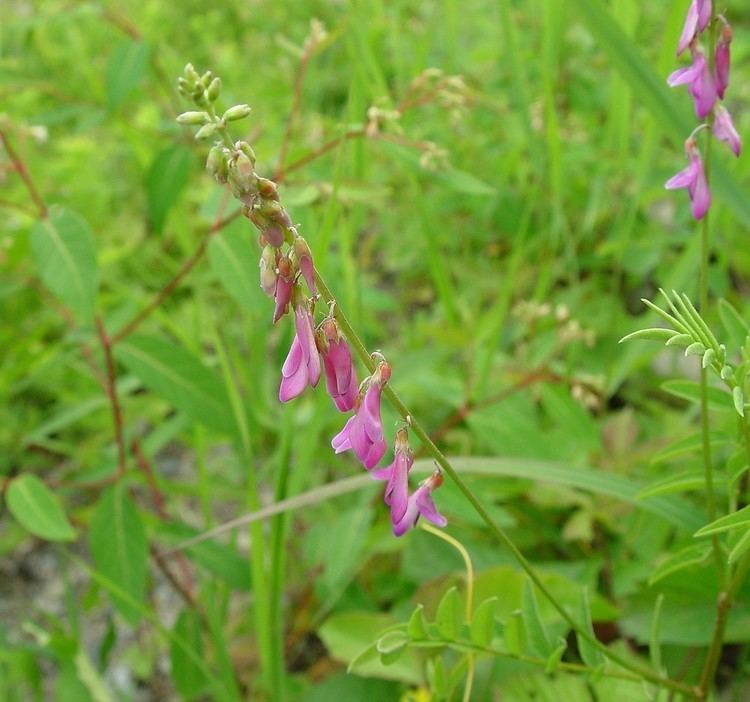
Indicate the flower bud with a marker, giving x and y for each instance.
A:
(268, 274)
(236, 112)
(241, 173)
(305, 263)
(206, 78)
(267, 189)
(213, 90)
(191, 75)
(206, 131)
(193, 118)
(284, 286)
(246, 149)
(275, 212)
(217, 164)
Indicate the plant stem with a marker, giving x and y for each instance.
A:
(469, 597)
(498, 532)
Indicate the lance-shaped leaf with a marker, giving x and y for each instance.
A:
(119, 548)
(735, 520)
(448, 615)
(536, 635)
(38, 510)
(590, 654)
(64, 252)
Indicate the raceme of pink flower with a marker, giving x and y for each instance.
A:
(723, 129)
(302, 365)
(363, 432)
(397, 474)
(700, 82)
(694, 179)
(341, 378)
(284, 286)
(723, 60)
(419, 504)
(697, 19)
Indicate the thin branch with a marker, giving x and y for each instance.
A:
(111, 387)
(279, 176)
(172, 285)
(23, 171)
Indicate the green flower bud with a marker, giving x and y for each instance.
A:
(190, 73)
(206, 131)
(241, 174)
(213, 90)
(236, 112)
(267, 189)
(193, 118)
(217, 163)
(206, 78)
(246, 149)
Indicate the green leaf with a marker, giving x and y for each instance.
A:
(742, 545)
(176, 375)
(692, 555)
(652, 92)
(653, 334)
(189, 679)
(391, 645)
(350, 638)
(554, 658)
(730, 521)
(119, 549)
(736, 327)
(738, 397)
(483, 622)
(682, 482)
(514, 635)
(690, 444)
(126, 67)
(166, 179)
(691, 391)
(536, 635)
(417, 627)
(590, 654)
(64, 253)
(463, 182)
(449, 616)
(654, 641)
(234, 259)
(37, 509)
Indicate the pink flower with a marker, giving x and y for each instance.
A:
(363, 433)
(697, 19)
(700, 82)
(723, 60)
(723, 129)
(341, 378)
(420, 504)
(694, 179)
(284, 285)
(397, 474)
(302, 365)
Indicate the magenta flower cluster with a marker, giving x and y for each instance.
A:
(363, 433)
(707, 80)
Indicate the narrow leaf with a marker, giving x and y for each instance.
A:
(554, 658)
(738, 397)
(448, 614)
(64, 252)
(417, 627)
(742, 545)
(166, 179)
(537, 638)
(37, 509)
(691, 391)
(180, 378)
(119, 548)
(126, 67)
(514, 634)
(483, 622)
(189, 679)
(234, 260)
(735, 520)
(692, 555)
(736, 327)
(652, 334)
(590, 654)
(654, 640)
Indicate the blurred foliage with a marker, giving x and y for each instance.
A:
(497, 280)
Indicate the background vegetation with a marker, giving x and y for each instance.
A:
(497, 277)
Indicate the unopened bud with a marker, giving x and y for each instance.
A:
(241, 173)
(213, 90)
(305, 262)
(246, 149)
(267, 188)
(268, 274)
(275, 212)
(206, 78)
(206, 131)
(190, 73)
(401, 443)
(217, 164)
(236, 112)
(193, 118)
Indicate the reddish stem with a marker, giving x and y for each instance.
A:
(111, 388)
(23, 171)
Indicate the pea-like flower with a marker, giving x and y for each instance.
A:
(420, 504)
(302, 365)
(723, 59)
(285, 277)
(363, 432)
(694, 179)
(341, 378)
(700, 81)
(723, 129)
(697, 19)
(396, 494)
(305, 263)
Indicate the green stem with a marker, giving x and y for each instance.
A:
(499, 533)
